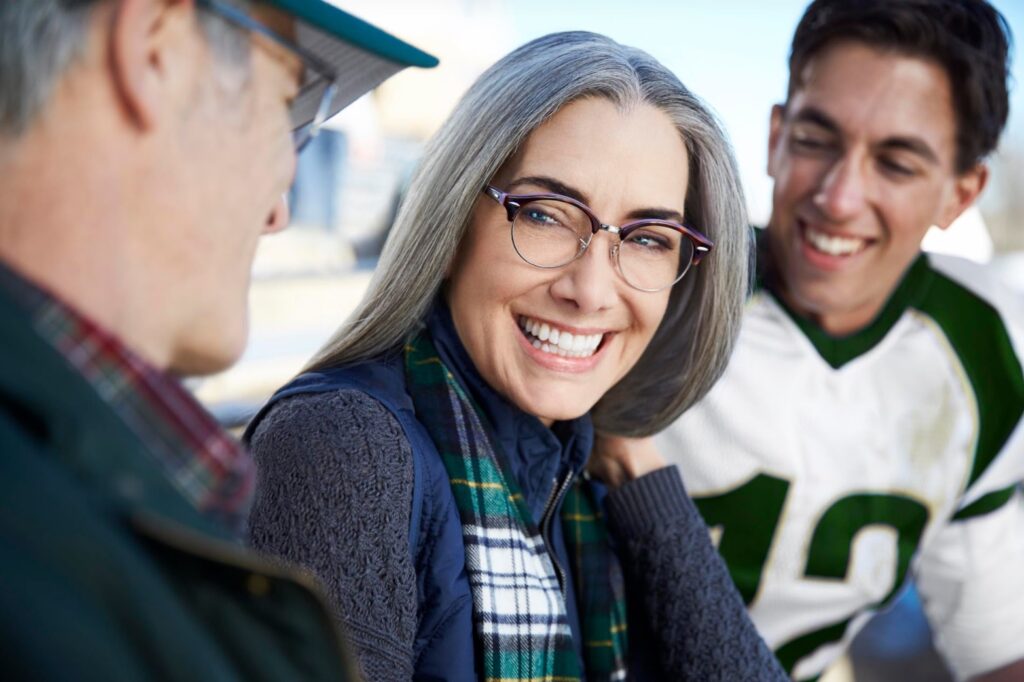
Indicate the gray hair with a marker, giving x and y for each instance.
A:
(40, 39)
(692, 344)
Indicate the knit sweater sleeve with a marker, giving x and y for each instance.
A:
(695, 612)
(334, 494)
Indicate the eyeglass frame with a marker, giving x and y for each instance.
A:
(309, 60)
(513, 203)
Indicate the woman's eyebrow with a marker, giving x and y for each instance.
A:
(668, 214)
(559, 187)
(551, 185)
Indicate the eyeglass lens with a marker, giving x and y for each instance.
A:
(549, 233)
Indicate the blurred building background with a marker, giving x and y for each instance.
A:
(732, 53)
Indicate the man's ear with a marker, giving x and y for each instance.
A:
(775, 135)
(148, 40)
(965, 190)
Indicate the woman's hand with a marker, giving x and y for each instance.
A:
(617, 460)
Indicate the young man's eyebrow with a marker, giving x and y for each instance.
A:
(914, 145)
(817, 117)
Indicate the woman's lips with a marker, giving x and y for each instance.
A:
(557, 340)
(559, 349)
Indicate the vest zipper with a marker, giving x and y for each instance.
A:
(557, 492)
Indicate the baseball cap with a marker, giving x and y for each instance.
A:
(361, 55)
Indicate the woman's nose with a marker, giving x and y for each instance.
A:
(591, 281)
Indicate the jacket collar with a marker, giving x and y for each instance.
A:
(536, 454)
(76, 428)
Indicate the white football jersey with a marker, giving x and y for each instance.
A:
(830, 470)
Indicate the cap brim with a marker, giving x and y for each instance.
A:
(361, 55)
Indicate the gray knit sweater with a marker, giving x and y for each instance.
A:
(333, 469)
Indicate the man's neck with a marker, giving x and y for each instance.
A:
(64, 211)
(838, 324)
(837, 321)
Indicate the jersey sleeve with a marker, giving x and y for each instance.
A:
(971, 581)
(971, 575)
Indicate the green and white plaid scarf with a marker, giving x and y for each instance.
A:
(519, 613)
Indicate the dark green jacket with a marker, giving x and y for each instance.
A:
(107, 572)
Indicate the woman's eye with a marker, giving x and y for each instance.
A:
(648, 241)
(540, 217)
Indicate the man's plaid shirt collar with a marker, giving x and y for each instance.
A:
(210, 468)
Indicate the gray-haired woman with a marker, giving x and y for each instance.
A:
(572, 254)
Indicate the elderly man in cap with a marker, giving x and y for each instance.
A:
(145, 145)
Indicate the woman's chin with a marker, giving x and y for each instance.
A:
(555, 408)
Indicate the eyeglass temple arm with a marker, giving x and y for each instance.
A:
(241, 18)
(511, 207)
(701, 248)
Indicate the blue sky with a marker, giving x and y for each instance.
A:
(731, 52)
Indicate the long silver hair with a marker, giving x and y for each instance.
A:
(692, 344)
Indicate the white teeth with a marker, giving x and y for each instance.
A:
(559, 342)
(834, 245)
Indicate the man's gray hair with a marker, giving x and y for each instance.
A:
(690, 349)
(40, 39)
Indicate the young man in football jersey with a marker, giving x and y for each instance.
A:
(868, 427)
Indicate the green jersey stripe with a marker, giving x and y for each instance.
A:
(978, 336)
(985, 504)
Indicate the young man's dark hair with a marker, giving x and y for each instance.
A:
(970, 40)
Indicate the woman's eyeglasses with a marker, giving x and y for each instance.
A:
(551, 231)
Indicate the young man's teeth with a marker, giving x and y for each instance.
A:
(552, 340)
(833, 245)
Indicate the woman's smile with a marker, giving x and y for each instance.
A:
(559, 339)
(561, 347)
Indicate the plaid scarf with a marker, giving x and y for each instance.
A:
(205, 464)
(519, 610)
